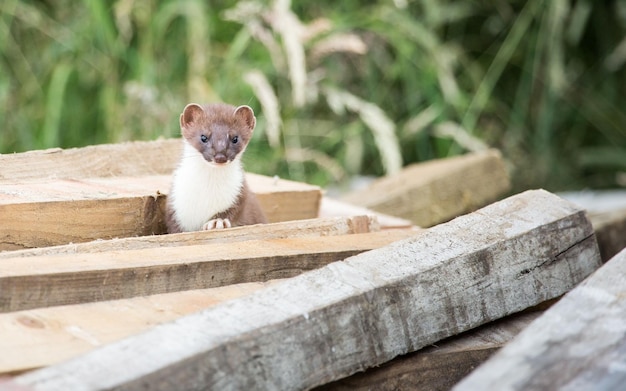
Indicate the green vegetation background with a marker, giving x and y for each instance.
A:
(339, 87)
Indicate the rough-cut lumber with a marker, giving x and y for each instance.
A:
(41, 337)
(61, 211)
(284, 200)
(436, 191)
(42, 281)
(577, 344)
(332, 207)
(441, 366)
(343, 318)
(610, 230)
(330, 226)
(137, 158)
(45, 336)
(57, 212)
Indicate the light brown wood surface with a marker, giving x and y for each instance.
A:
(340, 319)
(48, 280)
(577, 344)
(45, 336)
(331, 207)
(435, 191)
(60, 211)
(330, 226)
(138, 158)
(40, 337)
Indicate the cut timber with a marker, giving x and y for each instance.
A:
(284, 200)
(42, 281)
(331, 207)
(578, 344)
(54, 212)
(610, 230)
(436, 191)
(438, 367)
(340, 319)
(137, 158)
(331, 226)
(45, 336)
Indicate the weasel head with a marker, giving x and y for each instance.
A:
(219, 132)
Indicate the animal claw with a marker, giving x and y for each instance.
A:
(216, 224)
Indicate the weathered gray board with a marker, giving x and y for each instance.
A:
(578, 344)
(440, 366)
(347, 316)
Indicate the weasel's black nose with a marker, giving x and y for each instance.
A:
(220, 158)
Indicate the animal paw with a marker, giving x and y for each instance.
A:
(216, 224)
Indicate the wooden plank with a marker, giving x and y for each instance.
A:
(45, 336)
(138, 158)
(436, 191)
(42, 281)
(54, 223)
(343, 318)
(41, 337)
(284, 200)
(438, 367)
(330, 226)
(332, 207)
(610, 230)
(578, 344)
(61, 211)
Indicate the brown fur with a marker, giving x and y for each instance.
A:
(220, 123)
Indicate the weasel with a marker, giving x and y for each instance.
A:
(209, 189)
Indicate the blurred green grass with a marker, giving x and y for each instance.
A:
(340, 89)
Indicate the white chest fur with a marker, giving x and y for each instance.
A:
(200, 189)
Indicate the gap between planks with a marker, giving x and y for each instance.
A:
(365, 310)
(330, 226)
(47, 280)
(41, 337)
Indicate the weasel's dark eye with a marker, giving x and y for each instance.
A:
(235, 139)
(204, 138)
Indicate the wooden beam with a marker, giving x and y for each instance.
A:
(45, 336)
(610, 230)
(332, 207)
(61, 211)
(284, 200)
(42, 281)
(330, 226)
(138, 158)
(440, 366)
(432, 192)
(343, 318)
(579, 343)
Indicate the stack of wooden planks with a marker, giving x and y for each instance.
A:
(91, 297)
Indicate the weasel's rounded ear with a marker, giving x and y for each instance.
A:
(245, 112)
(191, 114)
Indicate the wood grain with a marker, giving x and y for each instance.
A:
(438, 367)
(138, 158)
(331, 207)
(61, 211)
(45, 336)
(435, 191)
(49, 280)
(330, 226)
(577, 344)
(340, 319)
